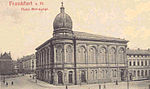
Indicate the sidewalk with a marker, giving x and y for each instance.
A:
(121, 85)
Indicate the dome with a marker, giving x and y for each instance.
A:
(62, 20)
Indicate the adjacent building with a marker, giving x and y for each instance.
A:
(27, 64)
(72, 57)
(6, 65)
(139, 64)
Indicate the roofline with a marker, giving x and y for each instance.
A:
(103, 40)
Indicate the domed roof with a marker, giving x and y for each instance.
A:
(62, 20)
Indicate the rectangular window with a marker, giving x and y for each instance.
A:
(134, 63)
(141, 63)
(138, 63)
(145, 62)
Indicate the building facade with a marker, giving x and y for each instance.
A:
(27, 64)
(6, 65)
(139, 64)
(72, 57)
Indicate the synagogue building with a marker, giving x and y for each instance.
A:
(72, 57)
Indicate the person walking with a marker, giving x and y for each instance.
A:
(6, 83)
(12, 83)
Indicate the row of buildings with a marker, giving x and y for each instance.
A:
(139, 64)
(27, 64)
(72, 57)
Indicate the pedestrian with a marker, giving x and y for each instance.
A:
(66, 87)
(12, 83)
(36, 80)
(104, 86)
(116, 82)
(6, 83)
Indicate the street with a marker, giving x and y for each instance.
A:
(25, 82)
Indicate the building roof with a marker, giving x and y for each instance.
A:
(28, 57)
(5, 56)
(62, 20)
(138, 51)
(89, 36)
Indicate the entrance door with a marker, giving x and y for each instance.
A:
(122, 75)
(70, 77)
(83, 76)
(60, 79)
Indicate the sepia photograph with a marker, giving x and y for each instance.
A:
(74, 44)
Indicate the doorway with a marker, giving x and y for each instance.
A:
(70, 77)
(83, 76)
(60, 77)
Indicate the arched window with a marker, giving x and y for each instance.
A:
(102, 56)
(141, 63)
(69, 54)
(138, 63)
(121, 55)
(145, 62)
(81, 55)
(134, 63)
(48, 56)
(92, 75)
(60, 77)
(92, 55)
(130, 63)
(70, 76)
(112, 55)
(83, 76)
(59, 54)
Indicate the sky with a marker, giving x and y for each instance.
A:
(22, 31)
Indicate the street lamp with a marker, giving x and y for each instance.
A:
(127, 76)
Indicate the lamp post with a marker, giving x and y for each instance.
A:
(127, 76)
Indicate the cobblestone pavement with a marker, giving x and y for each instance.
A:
(25, 82)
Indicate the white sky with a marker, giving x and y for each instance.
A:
(22, 31)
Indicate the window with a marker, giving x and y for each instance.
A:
(48, 56)
(102, 56)
(138, 73)
(81, 55)
(130, 64)
(142, 73)
(112, 55)
(114, 73)
(69, 54)
(145, 72)
(70, 77)
(59, 54)
(92, 55)
(134, 73)
(134, 63)
(138, 63)
(145, 62)
(121, 55)
(141, 63)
